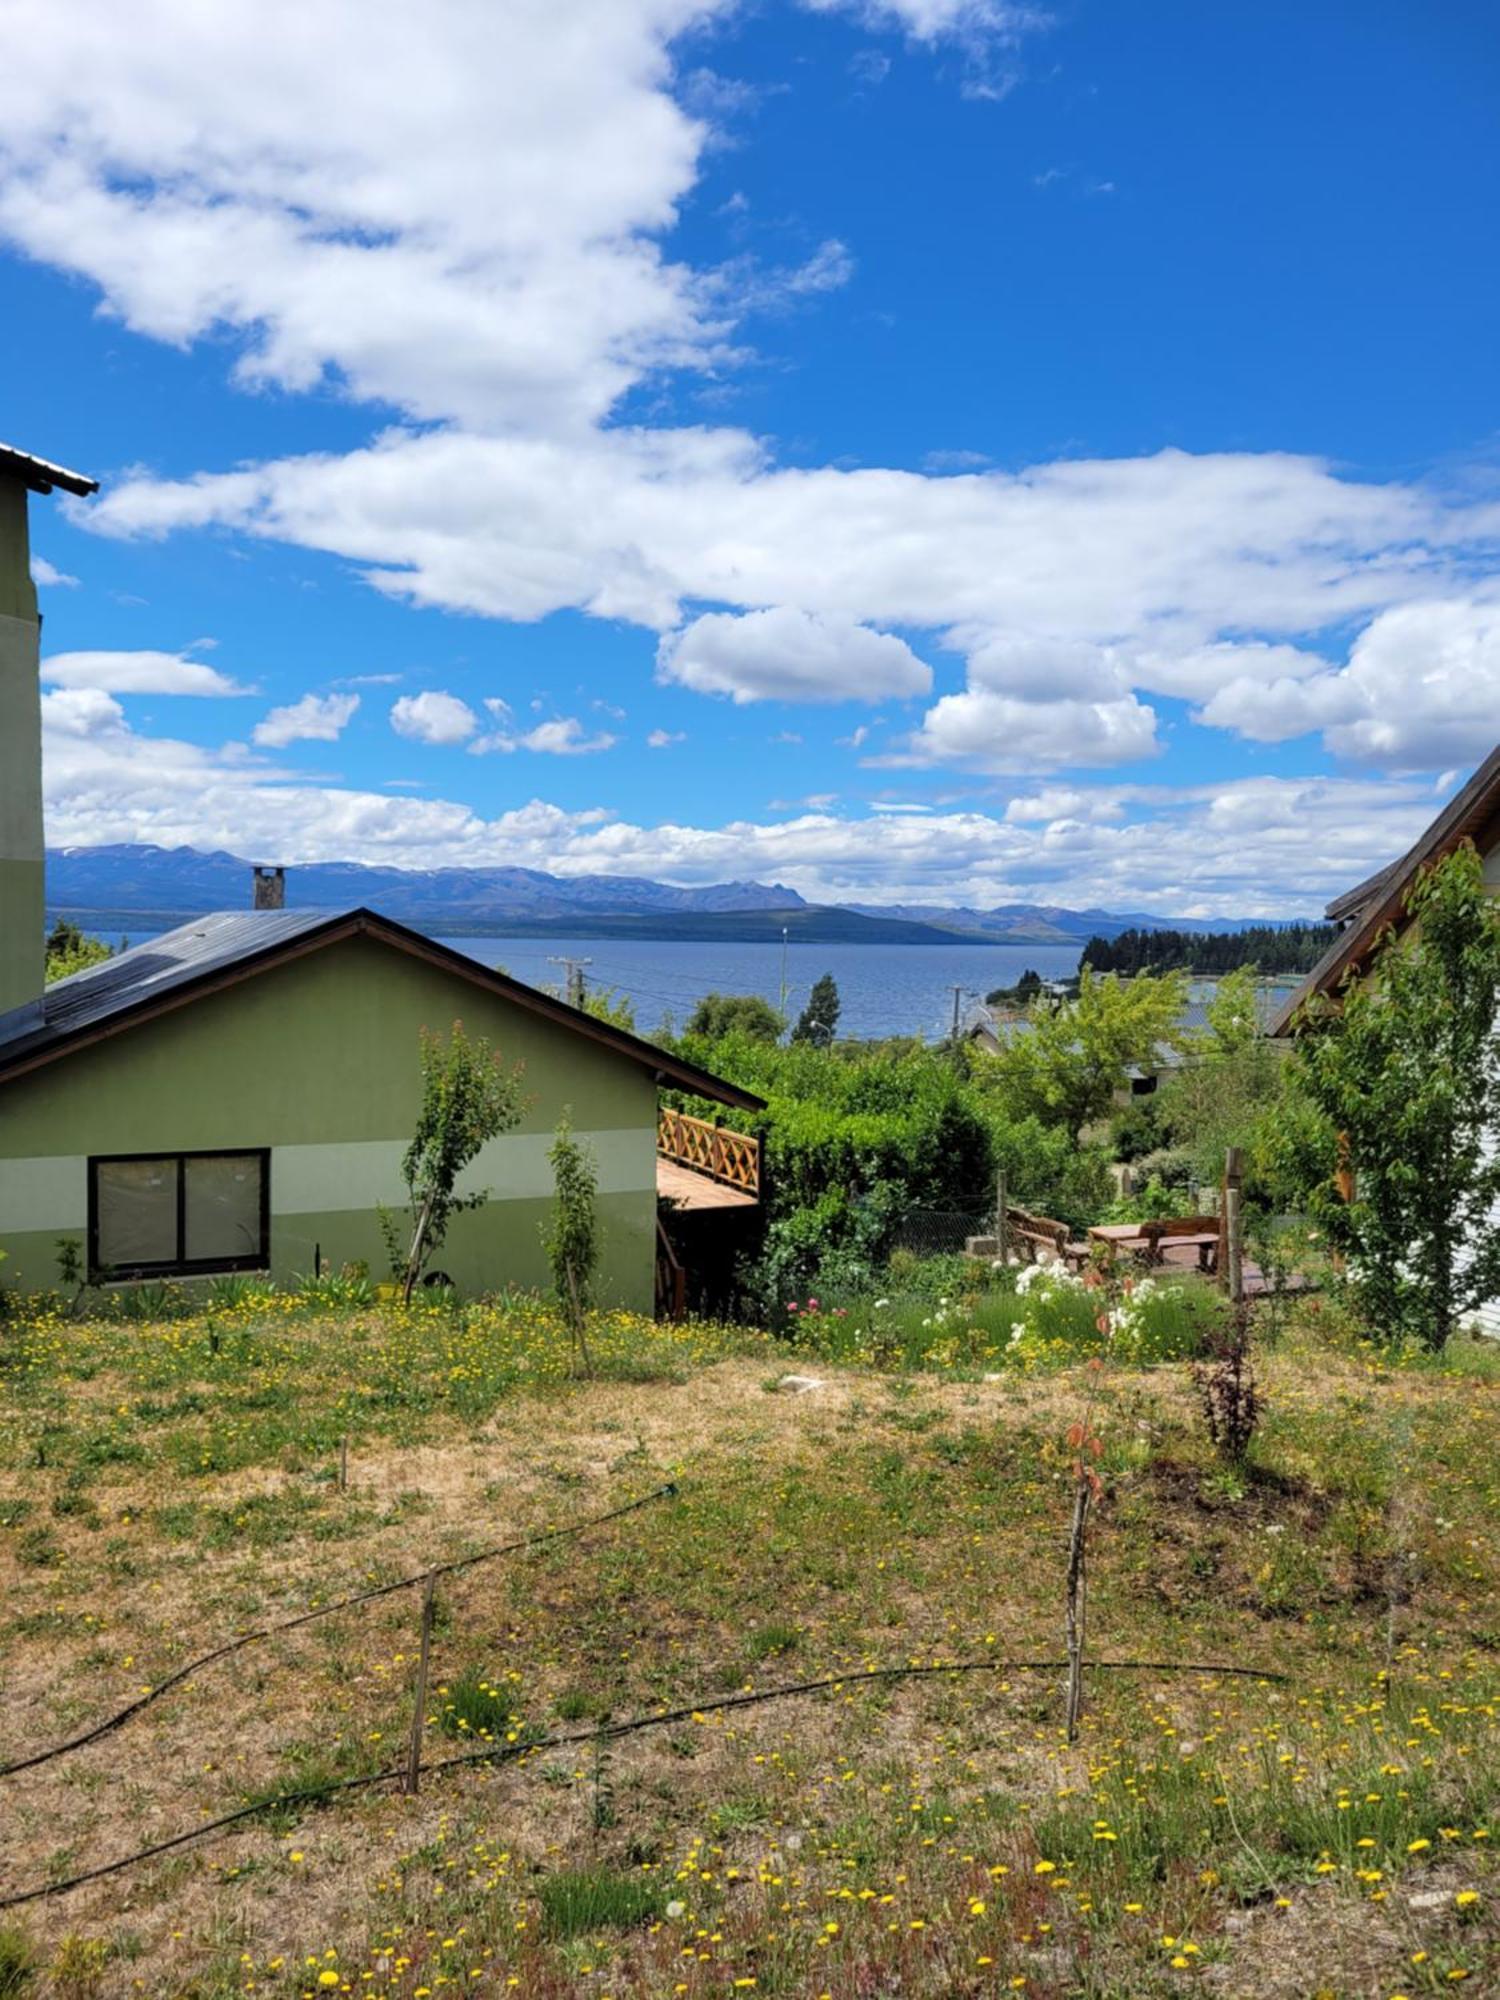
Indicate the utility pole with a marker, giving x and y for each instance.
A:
(783, 978)
(957, 998)
(574, 971)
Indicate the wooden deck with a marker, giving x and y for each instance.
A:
(687, 1189)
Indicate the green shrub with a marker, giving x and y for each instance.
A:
(581, 1901)
(474, 1706)
(17, 1962)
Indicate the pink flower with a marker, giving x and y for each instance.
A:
(813, 1306)
(791, 1306)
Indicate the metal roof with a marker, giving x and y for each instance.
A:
(208, 944)
(41, 475)
(214, 951)
(1379, 904)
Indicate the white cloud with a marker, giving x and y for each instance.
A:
(433, 717)
(316, 718)
(563, 736)
(745, 285)
(81, 711)
(459, 215)
(1187, 558)
(1269, 846)
(1421, 689)
(138, 673)
(1071, 802)
(790, 655)
(663, 739)
(49, 576)
(997, 732)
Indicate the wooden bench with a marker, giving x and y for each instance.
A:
(1034, 1239)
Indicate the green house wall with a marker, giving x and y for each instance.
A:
(317, 1060)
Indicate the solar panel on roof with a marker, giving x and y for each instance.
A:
(207, 944)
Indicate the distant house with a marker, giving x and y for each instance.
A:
(237, 1095)
(1366, 912)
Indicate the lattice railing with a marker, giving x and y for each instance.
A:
(730, 1157)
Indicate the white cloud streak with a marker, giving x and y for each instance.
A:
(138, 673)
(316, 718)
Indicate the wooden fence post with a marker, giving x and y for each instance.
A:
(419, 1710)
(1002, 1232)
(1232, 1226)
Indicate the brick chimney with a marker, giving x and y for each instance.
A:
(22, 907)
(270, 889)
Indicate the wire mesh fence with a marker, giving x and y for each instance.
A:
(937, 1232)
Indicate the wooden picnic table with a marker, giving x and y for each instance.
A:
(1140, 1238)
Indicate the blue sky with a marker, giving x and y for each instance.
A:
(935, 451)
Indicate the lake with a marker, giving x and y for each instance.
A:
(885, 989)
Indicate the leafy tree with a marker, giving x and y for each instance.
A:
(1270, 947)
(1026, 989)
(1066, 1064)
(719, 1014)
(1400, 1088)
(605, 1003)
(1232, 1017)
(819, 1019)
(571, 1236)
(71, 950)
(468, 1098)
(1230, 1091)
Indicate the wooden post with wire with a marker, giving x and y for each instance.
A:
(1002, 1231)
(419, 1707)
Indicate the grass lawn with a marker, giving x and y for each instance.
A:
(165, 1485)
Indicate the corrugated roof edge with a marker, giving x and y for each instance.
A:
(32, 1050)
(41, 475)
(1469, 809)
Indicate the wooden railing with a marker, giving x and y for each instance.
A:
(730, 1157)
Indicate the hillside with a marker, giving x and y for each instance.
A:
(117, 887)
(175, 1483)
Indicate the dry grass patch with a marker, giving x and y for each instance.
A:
(931, 1837)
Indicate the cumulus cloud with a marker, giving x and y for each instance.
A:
(138, 673)
(459, 216)
(1420, 690)
(81, 711)
(1187, 556)
(998, 732)
(433, 717)
(1267, 846)
(790, 655)
(563, 736)
(663, 739)
(316, 718)
(49, 576)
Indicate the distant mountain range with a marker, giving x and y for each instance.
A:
(115, 887)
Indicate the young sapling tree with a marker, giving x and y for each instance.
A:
(571, 1235)
(468, 1098)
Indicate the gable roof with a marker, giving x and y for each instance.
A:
(40, 475)
(214, 952)
(1377, 904)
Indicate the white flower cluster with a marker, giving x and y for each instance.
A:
(1047, 1277)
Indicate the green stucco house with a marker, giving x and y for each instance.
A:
(237, 1095)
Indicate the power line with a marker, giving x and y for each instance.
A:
(575, 968)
